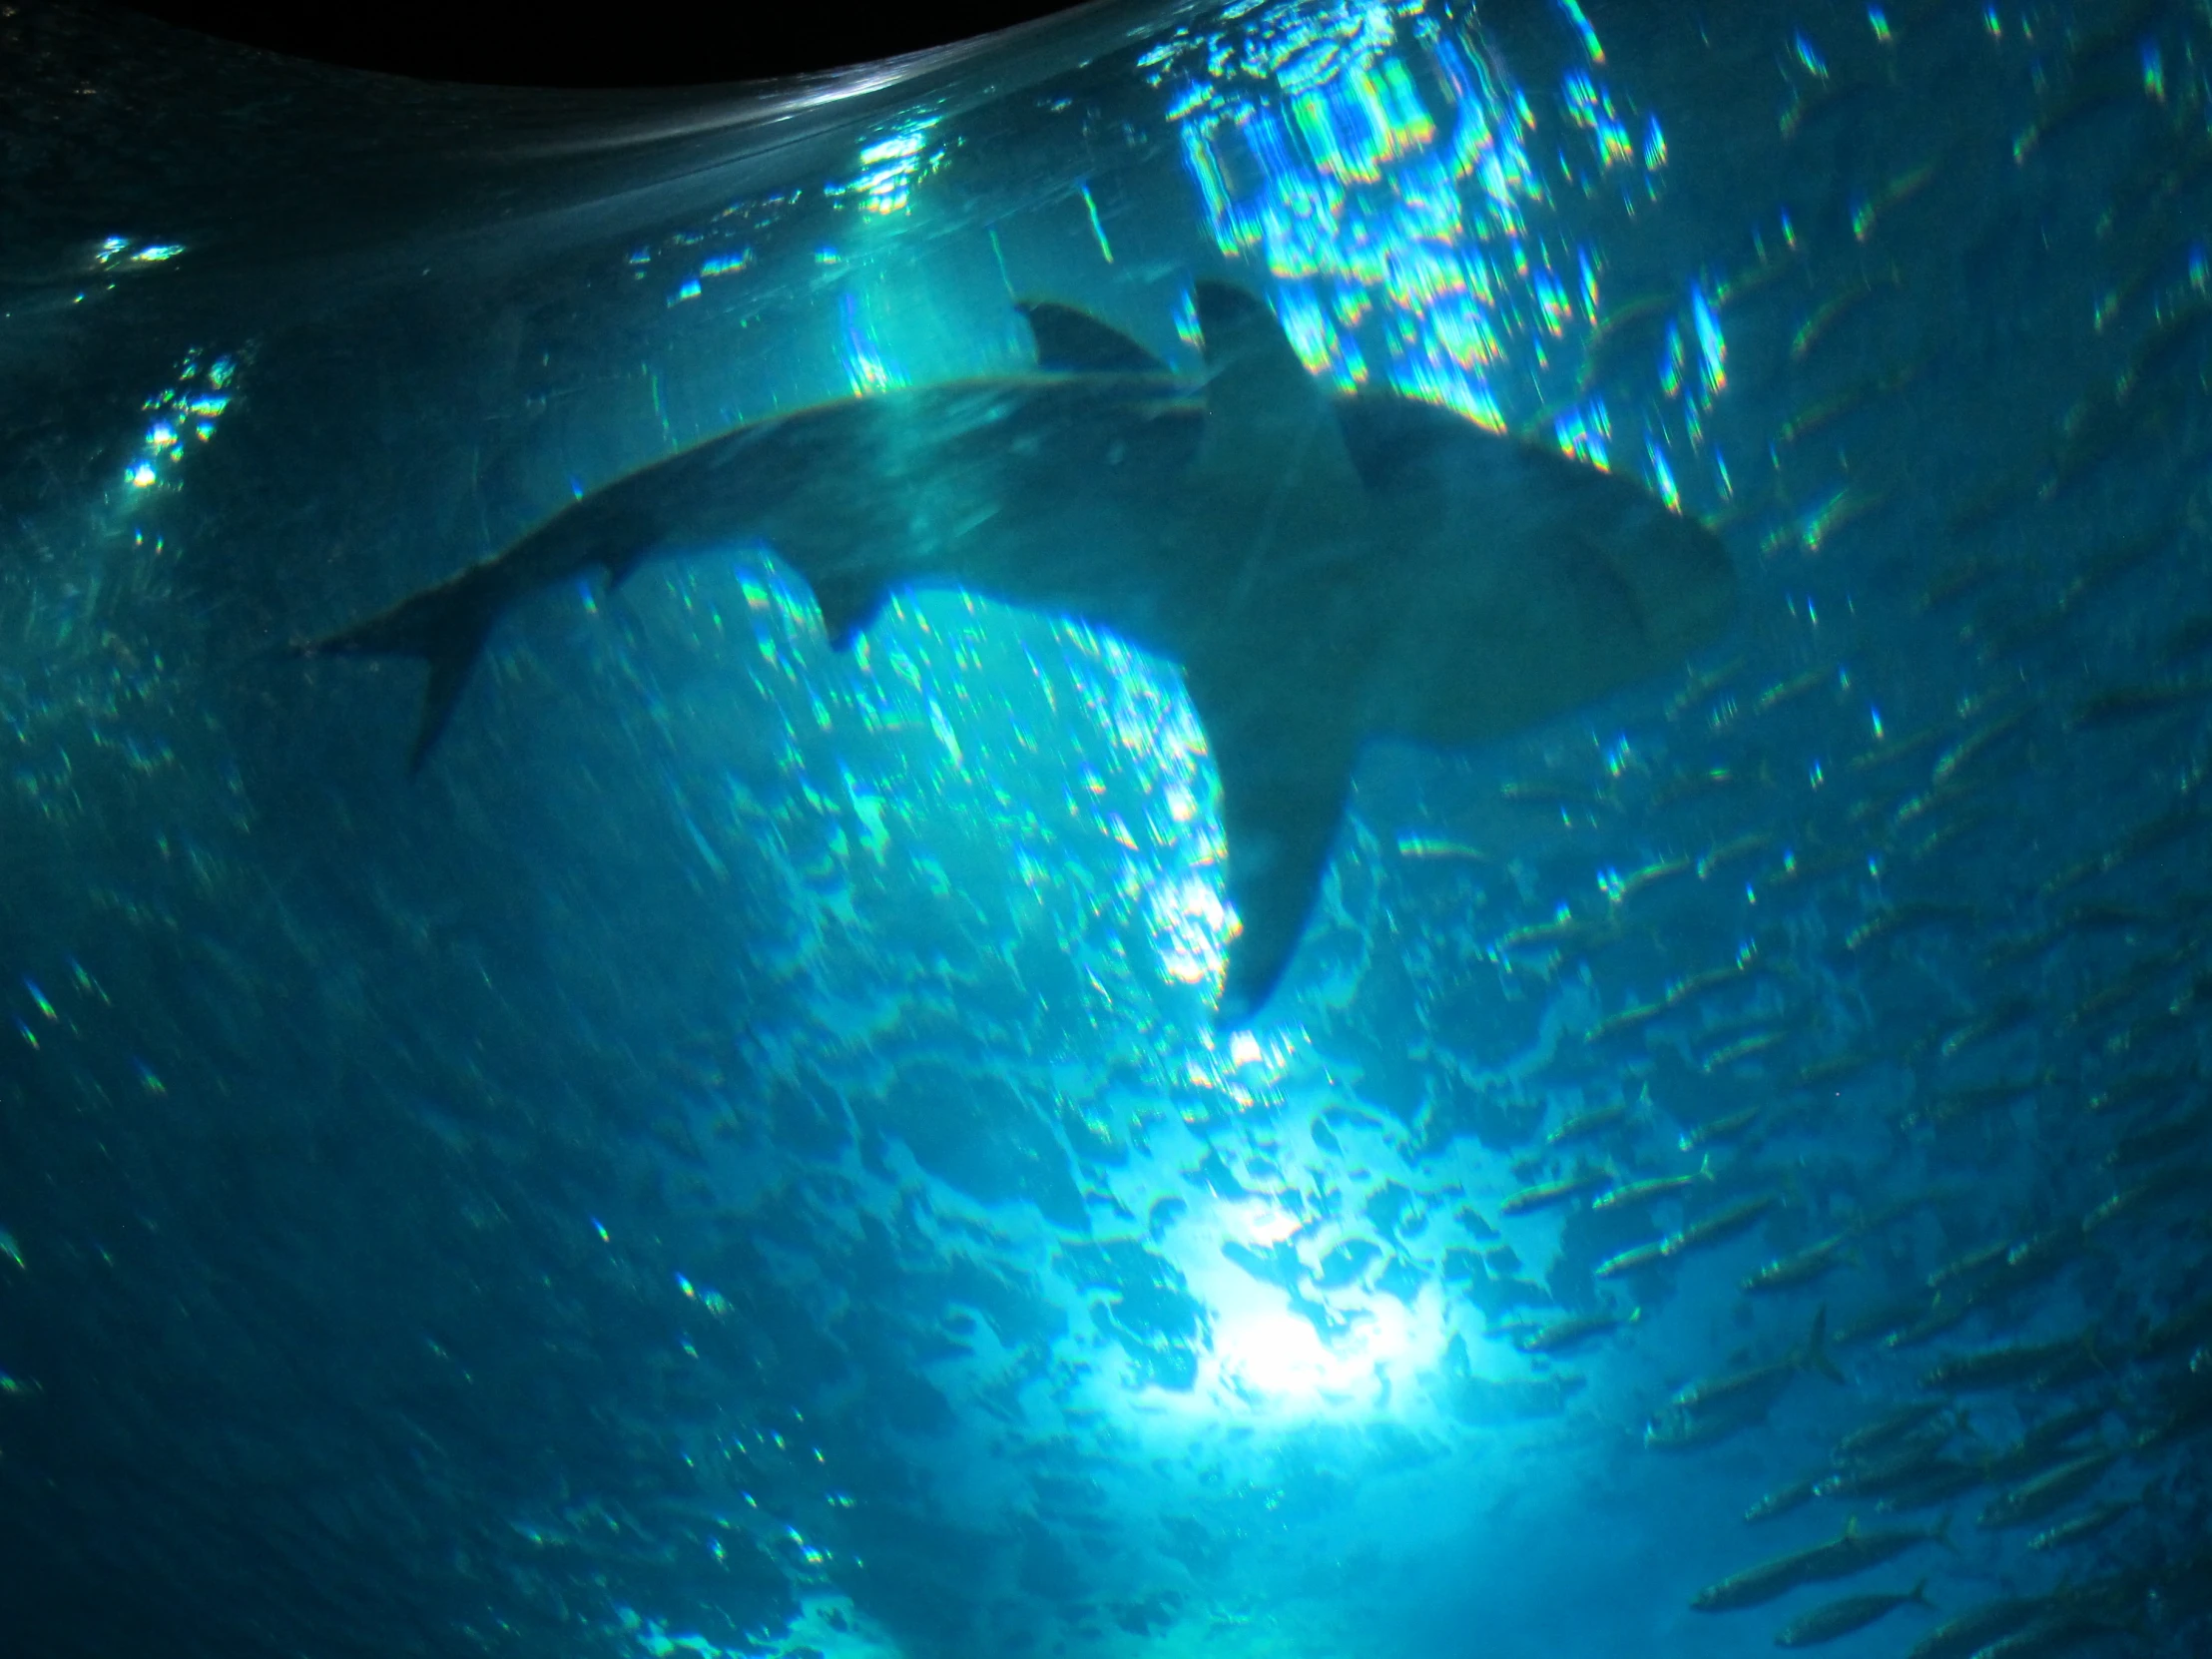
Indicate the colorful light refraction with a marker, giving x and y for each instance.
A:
(1387, 172)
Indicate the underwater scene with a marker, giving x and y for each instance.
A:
(1303, 829)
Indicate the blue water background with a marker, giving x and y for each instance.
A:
(736, 1156)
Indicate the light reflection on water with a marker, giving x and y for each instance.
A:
(680, 852)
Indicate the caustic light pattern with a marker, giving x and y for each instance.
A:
(735, 1158)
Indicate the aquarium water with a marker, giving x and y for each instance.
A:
(741, 1134)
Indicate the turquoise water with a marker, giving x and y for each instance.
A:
(738, 1153)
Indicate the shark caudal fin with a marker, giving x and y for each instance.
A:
(445, 626)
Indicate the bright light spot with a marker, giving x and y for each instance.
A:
(1270, 1360)
(1591, 106)
(890, 169)
(1662, 476)
(864, 367)
(1585, 432)
(1590, 43)
(1099, 228)
(1276, 1353)
(1712, 345)
(1190, 928)
(899, 147)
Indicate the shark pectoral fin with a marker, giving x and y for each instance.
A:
(1284, 783)
(850, 605)
(1070, 341)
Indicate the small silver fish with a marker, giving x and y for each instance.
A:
(1835, 1619)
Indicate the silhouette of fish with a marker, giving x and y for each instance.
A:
(1325, 569)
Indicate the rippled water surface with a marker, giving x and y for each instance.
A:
(736, 1153)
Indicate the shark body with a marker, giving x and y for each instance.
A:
(1324, 569)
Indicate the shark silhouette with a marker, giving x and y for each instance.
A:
(1323, 568)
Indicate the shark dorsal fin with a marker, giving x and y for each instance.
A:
(1070, 341)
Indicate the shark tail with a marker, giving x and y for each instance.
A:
(445, 626)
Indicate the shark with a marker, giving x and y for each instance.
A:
(1326, 568)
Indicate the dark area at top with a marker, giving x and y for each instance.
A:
(657, 44)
